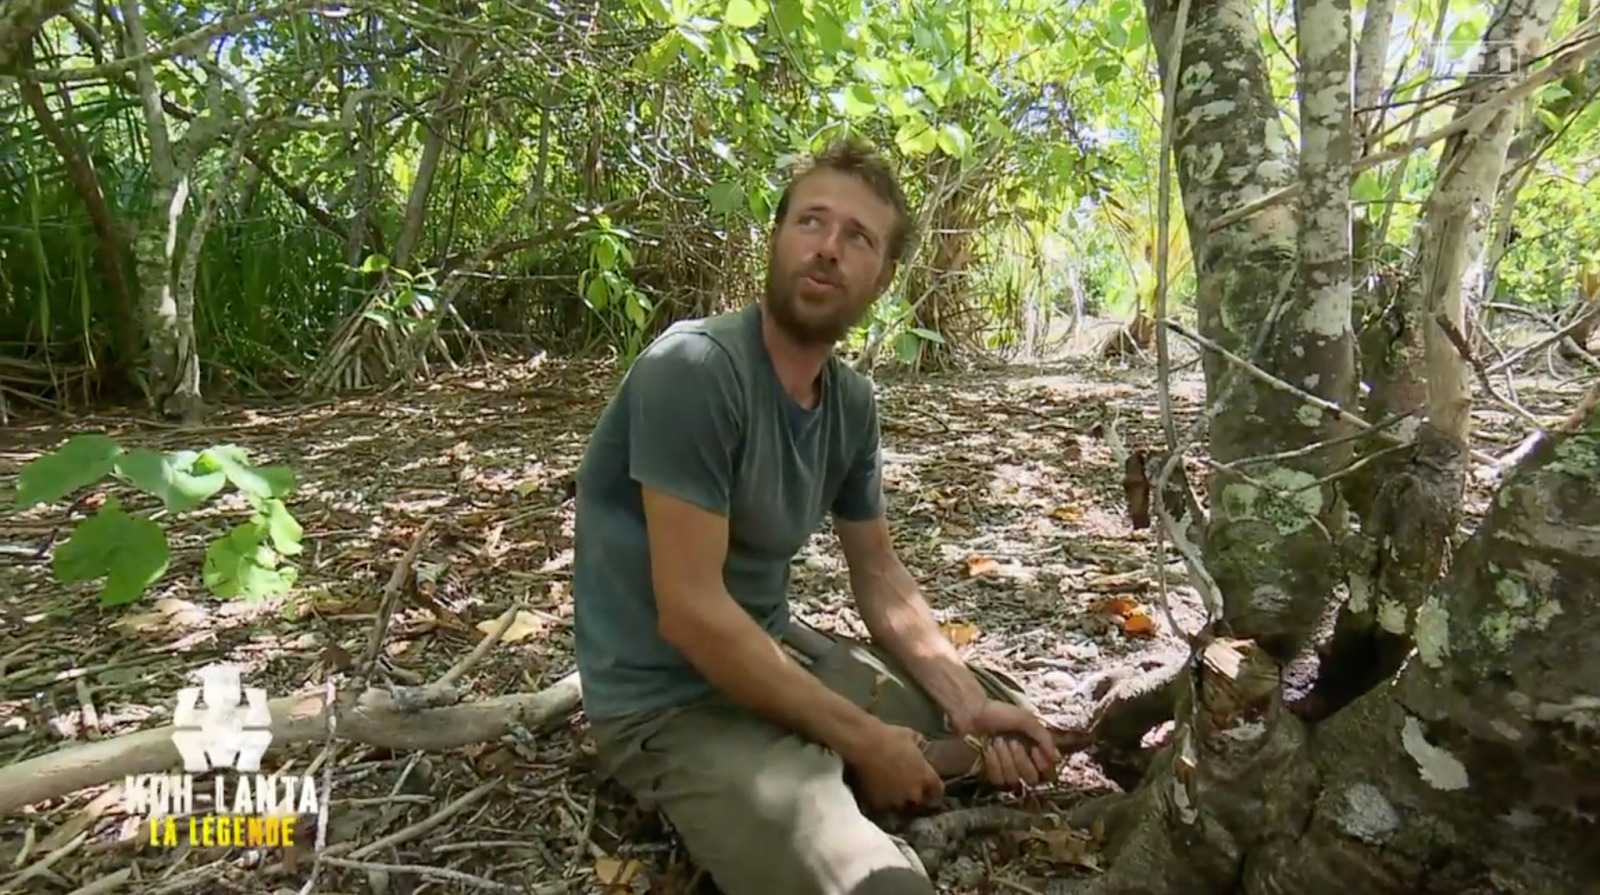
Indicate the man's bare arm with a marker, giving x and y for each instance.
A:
(696, 615)
(899, 618)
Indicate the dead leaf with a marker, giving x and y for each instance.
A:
(1067, 513)
(960, 633)
(169, 612)
(981, 565)
(1068, 847)
(525, 625)
(1139, 623)
(528, 486)
(614, 871)
(1120, 607)
(497, 762)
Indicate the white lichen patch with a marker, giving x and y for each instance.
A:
(1246, 731)
(1215, 110)
(1269, 599)
(1366, 814)
(1296, 501)
(1433, 632)
(1195, 78)
(1273, 223)
(1438, 768)
(1309, 416)
(1583, 712)
(1511, 591)
(1328, 316)
(1360, 592)
(1547, 610)
(1391, 616)
(1526, 606)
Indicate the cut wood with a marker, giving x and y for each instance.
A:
(373, 718)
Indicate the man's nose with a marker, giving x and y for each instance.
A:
(828, 244)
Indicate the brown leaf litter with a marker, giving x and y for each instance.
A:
(1005, 500)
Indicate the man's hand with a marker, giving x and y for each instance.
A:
(892, 772)
(1020, 749)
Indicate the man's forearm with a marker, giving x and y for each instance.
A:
(899, 619)
(725, 645)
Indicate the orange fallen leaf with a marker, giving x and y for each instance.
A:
(1121, 607)
(614, 871)
(960, 633)
(981, 565)
(1139, 623)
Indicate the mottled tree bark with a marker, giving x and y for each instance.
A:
(172, 362)
(1405, 537)
(1269, 532)
(1474, 765)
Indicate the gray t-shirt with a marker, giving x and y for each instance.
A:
(701, 416)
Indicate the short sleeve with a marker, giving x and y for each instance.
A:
(860, 496)
(685, 420)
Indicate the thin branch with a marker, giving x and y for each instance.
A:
(1561, 65)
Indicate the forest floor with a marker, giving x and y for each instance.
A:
(1006, 503)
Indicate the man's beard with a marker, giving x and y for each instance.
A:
(783, 304)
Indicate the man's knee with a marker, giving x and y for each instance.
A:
(763, 811)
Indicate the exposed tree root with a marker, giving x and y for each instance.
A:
(937, 838)
(1126, 708)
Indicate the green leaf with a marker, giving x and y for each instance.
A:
(829, 33)
(791, 16)
(742, 14)
(725, 197)
(954, 140)
(905, 347)
(859, 101)
(168, 477)
(260, 481)
(915, 137)
(238, 564)
(81, 460)
(926, 334)
(1367, 187)
(374, 264)
(129, 552)
(659, 11)
(598, 295)
(1107, 72)
(1465, 32)
(283, 527)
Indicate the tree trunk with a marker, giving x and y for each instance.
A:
(1470, 771)
(1404, 543)
(1269, 534)
(438, 124)
(169, 338)
(80, 168)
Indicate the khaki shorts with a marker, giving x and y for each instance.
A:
(764, 811)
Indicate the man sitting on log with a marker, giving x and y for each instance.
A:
(728, 441)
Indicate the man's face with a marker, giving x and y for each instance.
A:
(829, 257)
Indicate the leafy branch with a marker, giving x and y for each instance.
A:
(130, 550)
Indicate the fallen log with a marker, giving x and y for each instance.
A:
(372, 718)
